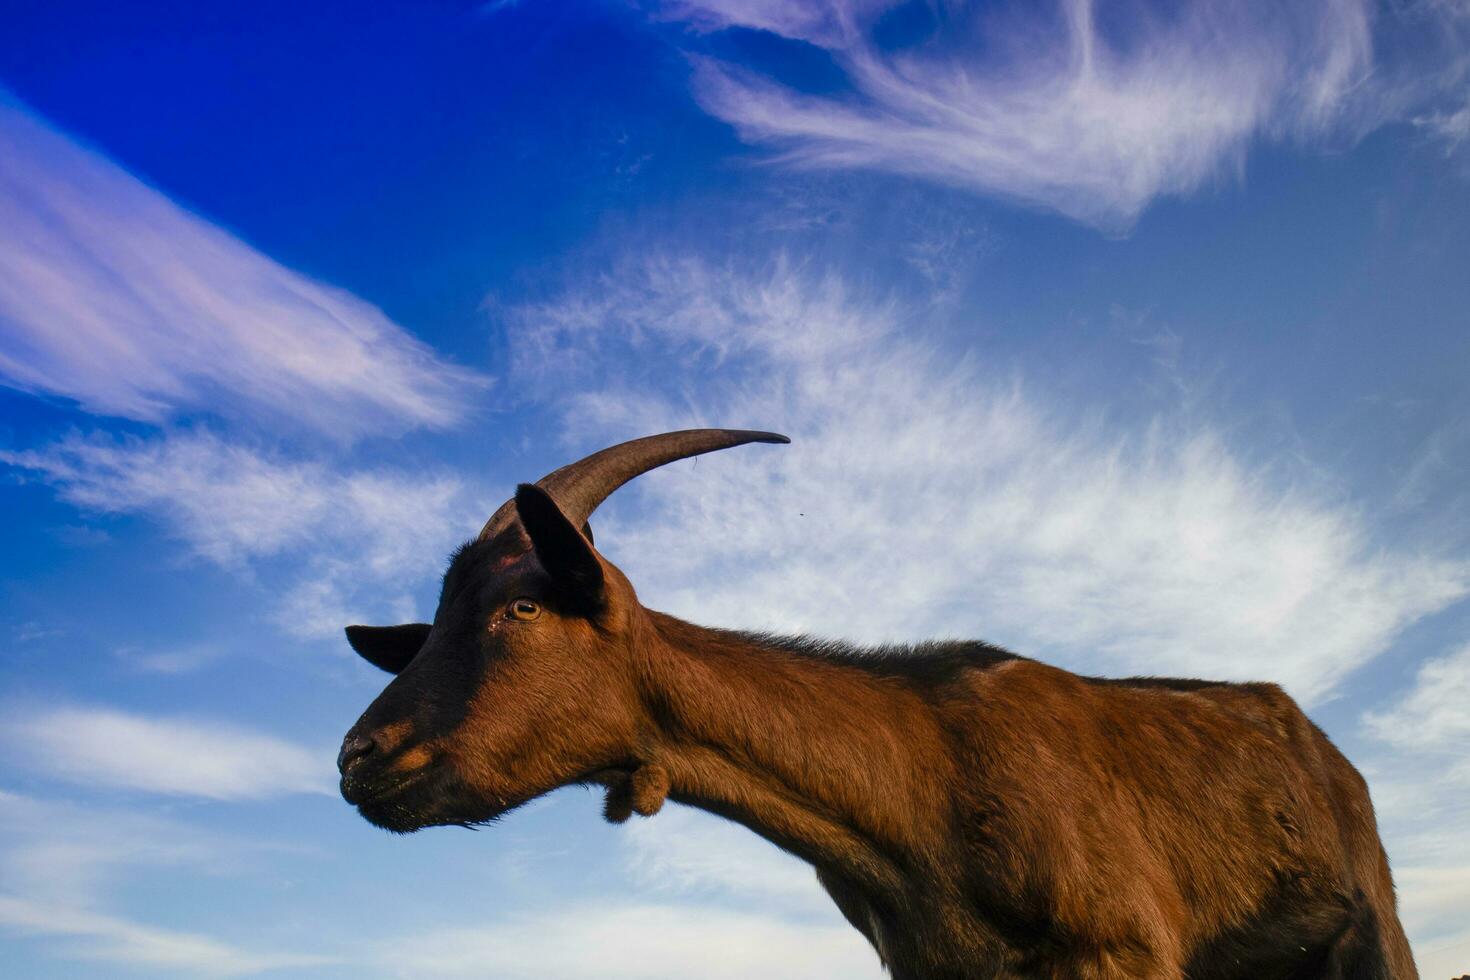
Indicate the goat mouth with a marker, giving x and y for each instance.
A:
(422, 799)
(361, 792)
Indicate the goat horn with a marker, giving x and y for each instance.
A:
(578, 488)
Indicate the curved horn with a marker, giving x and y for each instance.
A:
(579, 487)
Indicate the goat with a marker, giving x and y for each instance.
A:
(972, 812)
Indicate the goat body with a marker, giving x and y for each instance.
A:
(979, 814)
(971, 812)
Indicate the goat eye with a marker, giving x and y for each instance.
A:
(525, 609)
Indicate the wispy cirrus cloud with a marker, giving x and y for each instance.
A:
(692, 853)
(1431, 717)
(227, 502)
(99, 937)
(364, 536)
(1092, 111)
(115, 296)
(826, 24)
(636, 941)
(60, 860)
(230, 503)
(1421, 789)
(710, 898)
(67, 853)
(1451, 126)
(96, 746)
(926, 497)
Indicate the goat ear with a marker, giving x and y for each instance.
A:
(563, 551)
(388, 647)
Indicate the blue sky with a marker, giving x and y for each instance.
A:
(1132, 337)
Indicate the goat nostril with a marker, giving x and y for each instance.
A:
(354, 750)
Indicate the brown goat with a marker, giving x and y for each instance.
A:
(971, 812)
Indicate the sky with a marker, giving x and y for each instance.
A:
(1131, 336)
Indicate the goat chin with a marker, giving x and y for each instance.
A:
(435, 800)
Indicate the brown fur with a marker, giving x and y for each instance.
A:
(971, 812)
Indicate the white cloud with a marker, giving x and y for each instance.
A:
(67, 853)
(227, 501)
(745, 911)
(59, 859)
(827, 24)
(925, 497)
(1444, 961)
(103, 747)
(1092, 113)
(636, 941)
(97, 936)
(1452, 128)
(1433, 715)
(1427, 848)
(1421, 791)
(692, 852)
(365, 536)
(1432, 904)
(113, 295)
(174, 660)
